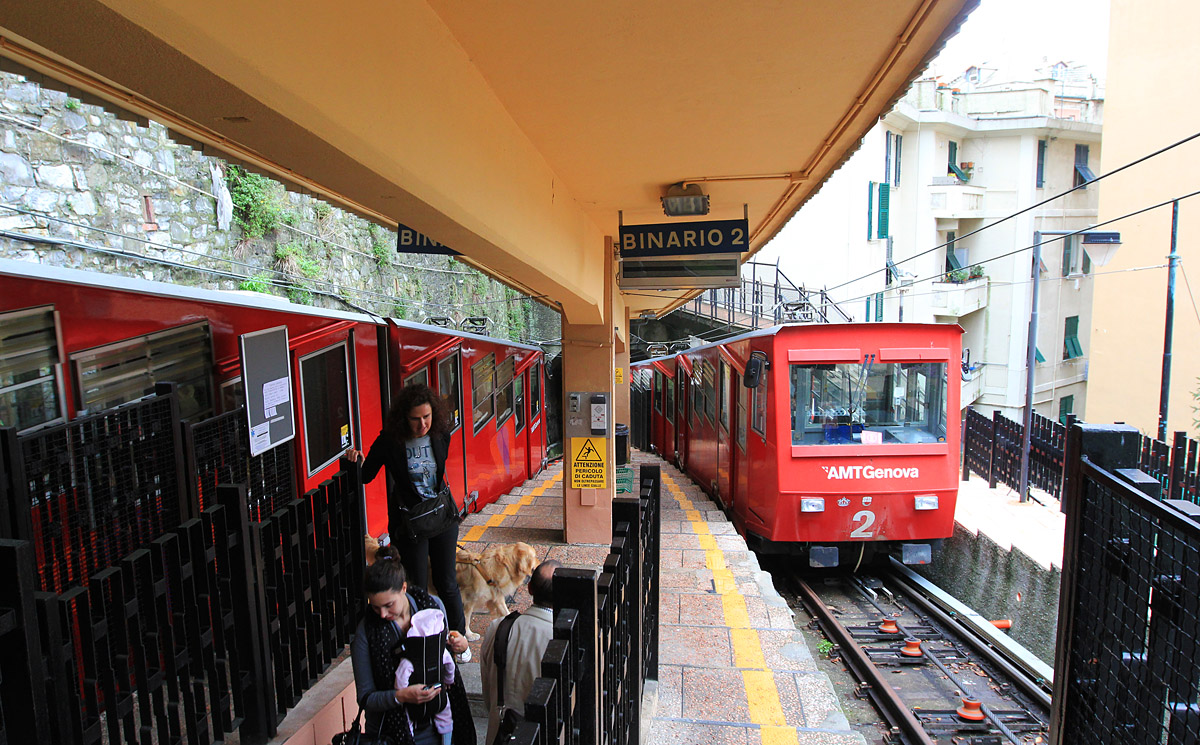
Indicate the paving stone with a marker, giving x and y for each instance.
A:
(691, 645)
(699, 702)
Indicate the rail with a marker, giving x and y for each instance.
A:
(764, 298)
(605, 643)
(142, 610)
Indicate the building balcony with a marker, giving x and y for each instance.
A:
(955, 200)
(972, 387)
(957, 299)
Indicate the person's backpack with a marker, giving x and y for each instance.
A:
(509, 718)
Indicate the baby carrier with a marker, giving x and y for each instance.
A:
(424, 647)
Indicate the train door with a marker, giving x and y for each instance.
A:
(668, 452)
(521, 423)
(724, 440)
(536, 432)
(449, 387)
(741, 424)
(681, 415)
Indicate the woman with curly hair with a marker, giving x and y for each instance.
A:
(412, 448)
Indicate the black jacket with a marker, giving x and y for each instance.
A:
(388, 452)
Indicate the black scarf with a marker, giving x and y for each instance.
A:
(381, 637)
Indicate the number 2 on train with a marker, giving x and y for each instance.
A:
(868, 519)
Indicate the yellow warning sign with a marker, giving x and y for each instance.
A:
(588, 470)
(620, 376)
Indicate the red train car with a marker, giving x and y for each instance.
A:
(76, 342)
(839, 441)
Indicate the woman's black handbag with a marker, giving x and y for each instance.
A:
(431, 516)
(355, 736)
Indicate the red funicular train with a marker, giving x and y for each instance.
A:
(77, 342)
(838, 441)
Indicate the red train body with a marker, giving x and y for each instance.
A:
(847, 446)
(102, 323)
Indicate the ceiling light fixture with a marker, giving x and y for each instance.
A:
(684, 200)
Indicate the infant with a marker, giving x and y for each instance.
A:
(424, 653)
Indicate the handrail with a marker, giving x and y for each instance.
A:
(788, 301)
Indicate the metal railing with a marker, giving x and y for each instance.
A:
(1127, 664)
(141, 610)
(766, 297)
(605, 642)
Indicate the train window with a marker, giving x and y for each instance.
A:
(710, 393)
(233, 394)
(504, 390)
(449, 389)
(724, 395)
(482, 384)
(743, 415)
(420, 377)
(658, 391)
(869, 404)
(519, 403)
(127, 370)
(325, 394)
(759, 421)
(670, 404)
(29, 369)
(698, 393)
(535, 390)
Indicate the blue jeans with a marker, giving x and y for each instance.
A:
(435, 557)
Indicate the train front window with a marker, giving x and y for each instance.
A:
(868, 404)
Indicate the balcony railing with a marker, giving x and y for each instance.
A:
(957, 299)
(955, 200)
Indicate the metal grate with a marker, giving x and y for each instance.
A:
(219, 453)
(1133, 658)
(98, 488)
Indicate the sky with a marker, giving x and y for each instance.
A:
(1023, 32)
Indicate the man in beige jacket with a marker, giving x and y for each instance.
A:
(527, 641)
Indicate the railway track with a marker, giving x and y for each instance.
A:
(934, 670)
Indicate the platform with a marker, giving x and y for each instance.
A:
(1035, 528)
(732, 666)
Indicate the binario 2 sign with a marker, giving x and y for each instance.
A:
(870, 472)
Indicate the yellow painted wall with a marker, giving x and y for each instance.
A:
(1153, 100)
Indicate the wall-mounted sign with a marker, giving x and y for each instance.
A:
(267, 372)
(410, 241)
(588, 469)
(685, 239)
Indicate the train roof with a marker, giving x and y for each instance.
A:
(28, 269)
(772, 330)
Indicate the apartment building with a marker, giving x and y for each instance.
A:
(922, 225)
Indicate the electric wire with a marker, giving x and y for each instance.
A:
(1033, 206)
(1189, 289)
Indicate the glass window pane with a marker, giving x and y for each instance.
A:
(670, 405)
(725, 396)
(743, 399)
(482, 382)
(29, 405)
(759, 421)
(519, 402)
(504, 390)
(535, 390)
(450, 391)
(420, 377)
(885, 403)
(324, 384)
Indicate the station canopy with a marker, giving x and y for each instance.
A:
(520, 134)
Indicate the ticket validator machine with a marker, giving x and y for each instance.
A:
(586, 429)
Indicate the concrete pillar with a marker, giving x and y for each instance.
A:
(588, 361)
(621, 406)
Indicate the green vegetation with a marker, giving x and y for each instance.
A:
(379, 247)
(321, 210)
(257, 207)
(824, 647)
(72, 105)
(293, 261)
(260, 282)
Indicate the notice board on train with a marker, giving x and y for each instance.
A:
(267, 377)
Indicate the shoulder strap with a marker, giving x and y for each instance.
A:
(500, 653)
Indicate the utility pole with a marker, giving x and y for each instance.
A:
(1030, 361)
(1169, 327)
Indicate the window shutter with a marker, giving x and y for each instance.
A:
(952, 160)
(1067, 257)
(1041, 164)
(884, 200)
(896, 161)
(1037, 355)
(1081, 155)
(870, 207)
(887, 156)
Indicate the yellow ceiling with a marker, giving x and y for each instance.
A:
(515, 132)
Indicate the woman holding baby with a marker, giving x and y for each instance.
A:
(407, 683)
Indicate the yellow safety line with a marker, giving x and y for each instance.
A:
(762, 695)
(477, 531)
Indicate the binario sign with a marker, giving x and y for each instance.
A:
(870, 472)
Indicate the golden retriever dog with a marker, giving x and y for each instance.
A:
(486, 579)
(370, 545)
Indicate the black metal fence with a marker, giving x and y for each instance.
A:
(144, 611)
(1127, 668)
(992, 449)
(605, 642)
